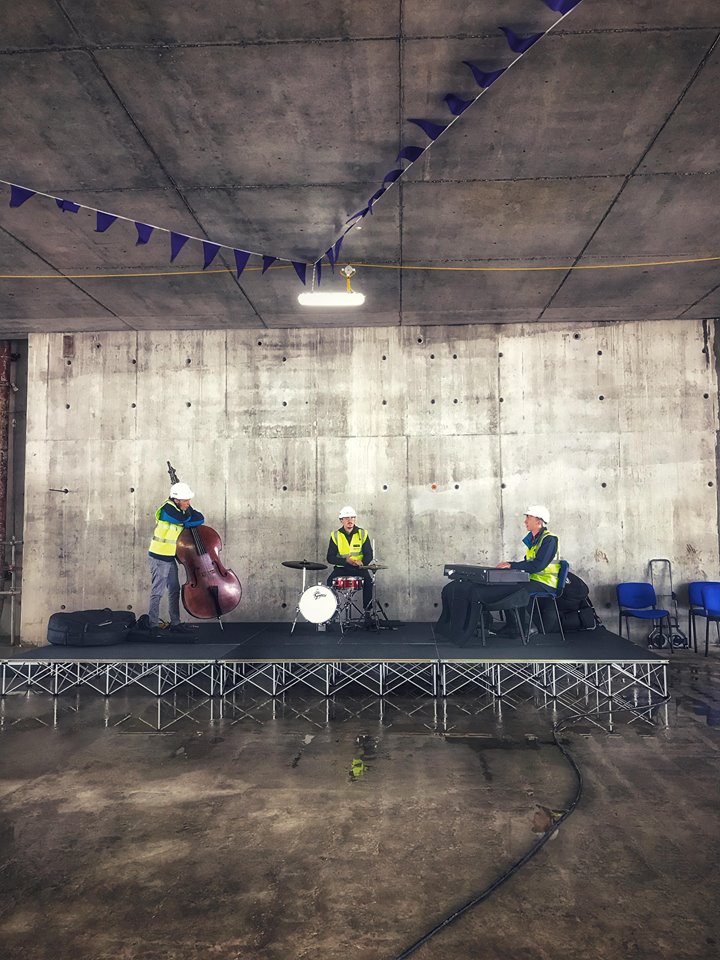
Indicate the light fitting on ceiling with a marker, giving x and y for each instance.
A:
(333, 298)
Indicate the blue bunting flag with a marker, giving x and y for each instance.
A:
(18, 195)
(392, 175)
(67, 206)
(561, 6)
(103, 221)
(433, 130)
(456, 105)
(410, 153)
(357, 216)
(144, 232)
(267, 263)
(177, 242)
(520, 44)
(209, 252)
(300, 270)
(484, 78)
(376, 196)
(241, 259)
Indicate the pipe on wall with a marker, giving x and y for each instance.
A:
(4, 431)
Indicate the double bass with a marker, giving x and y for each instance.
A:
(210, 589)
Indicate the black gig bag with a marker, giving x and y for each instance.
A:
(89, 628)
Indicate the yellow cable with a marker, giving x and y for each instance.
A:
(365, 266)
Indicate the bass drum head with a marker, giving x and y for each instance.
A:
(318, 604)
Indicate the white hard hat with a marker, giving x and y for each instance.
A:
(346, 512)
(181, 491)
(539, 511)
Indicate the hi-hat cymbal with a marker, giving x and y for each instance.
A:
(304, 564)
(374, 566)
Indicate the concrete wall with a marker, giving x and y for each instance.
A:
(438, 436)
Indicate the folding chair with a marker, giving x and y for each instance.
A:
(638, 600)
(711, 603)
(696, 607)
(537, 595)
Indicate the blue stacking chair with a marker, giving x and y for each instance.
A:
(638, 600)
(696, 607)
(562, 580)
(711, 605)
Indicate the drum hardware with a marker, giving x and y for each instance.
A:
(317, 604)
(347, 583)
(321, 604)
(303, 565)
(345, 589)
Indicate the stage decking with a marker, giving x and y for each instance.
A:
(593, 671)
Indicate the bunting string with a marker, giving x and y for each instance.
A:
(103, 221)
(456, 105)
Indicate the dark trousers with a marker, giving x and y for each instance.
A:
(347, 570)
(464, 602)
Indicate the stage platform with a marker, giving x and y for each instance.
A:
(592, 672)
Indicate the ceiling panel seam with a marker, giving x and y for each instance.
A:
(683, 93)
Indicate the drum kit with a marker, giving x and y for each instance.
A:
(320, 604)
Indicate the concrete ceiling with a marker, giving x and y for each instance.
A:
(264, 125)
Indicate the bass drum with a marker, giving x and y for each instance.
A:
(318, 604)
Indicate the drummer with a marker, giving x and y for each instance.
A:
(349, 550)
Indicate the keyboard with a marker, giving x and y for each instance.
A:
(471, 571)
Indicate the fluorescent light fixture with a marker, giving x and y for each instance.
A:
(331, 298)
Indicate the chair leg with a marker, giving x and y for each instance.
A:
(669, 628)
(620, 624)
(707, 635)
(557, 614)
(525, 639)
(482, 625)
(540, 618)
(535, 609)
(692, 631)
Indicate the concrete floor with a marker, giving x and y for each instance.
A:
(134, 829)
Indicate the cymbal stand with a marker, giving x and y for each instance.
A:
(297, 609)
(376, 612)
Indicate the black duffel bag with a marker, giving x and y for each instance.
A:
(575, 606)
(90, 628)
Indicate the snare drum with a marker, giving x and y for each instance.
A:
(318, 604)
(347, 583)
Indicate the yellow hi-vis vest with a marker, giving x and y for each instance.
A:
(548, 576)
(354, 546)
(164, 538)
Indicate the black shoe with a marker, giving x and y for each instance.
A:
(181, 628)
(143, 622)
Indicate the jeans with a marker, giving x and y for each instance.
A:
(164, 576)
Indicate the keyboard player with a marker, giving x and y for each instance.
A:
(541, 563)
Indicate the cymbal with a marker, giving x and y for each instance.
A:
(304, 565)
(374, 566)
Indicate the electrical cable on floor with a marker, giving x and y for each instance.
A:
(535, 848)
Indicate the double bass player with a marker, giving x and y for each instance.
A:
(171, 518)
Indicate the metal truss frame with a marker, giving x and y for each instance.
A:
(593, 688)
